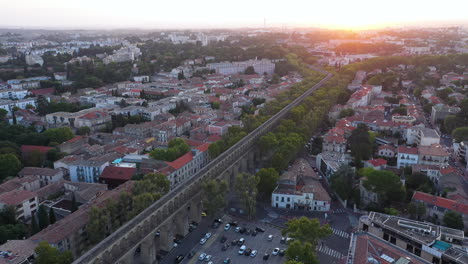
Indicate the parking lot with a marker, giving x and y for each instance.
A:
(259, 242)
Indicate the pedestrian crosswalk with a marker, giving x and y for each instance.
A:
(340, 233)
(337, 211)
(331, 252)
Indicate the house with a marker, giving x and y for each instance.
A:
(86, 170)
(407, 156)
(114, 176)
(334, 141)
(18, 252)
(25, 203)
(421, 136)
(433, 155)
(188, 164)
(95, 120)
(387, 151)
(73, 144)
(299, 188)
(377, 164)
(28, 150)
(437, 206)
(45, 175)
(219, 128)
(439, 112)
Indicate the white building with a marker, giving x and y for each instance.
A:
(8, 105)
(407, 156)
(228, 68)
(86, 170)
(421, 136)
(25, 203)
(300, 189)
(13, 94)
(32, 59)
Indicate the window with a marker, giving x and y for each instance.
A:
(282, 199)
(277, 198)
(289, 199)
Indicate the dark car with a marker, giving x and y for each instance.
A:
(283, 240)
(266, 256)
(218, 221)
(247, 252)
(254, 233)
(223, 239)
(234, 242)
(191, 254)
(215, 225)
(281, 252)
(179, 259)
(233, 223)
(242, 230)
(225, 247)
(259, 229)
(248, 231)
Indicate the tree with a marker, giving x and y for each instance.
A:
(267, 180)
(268, 142)
(385, 184)
(214, 196)
(42, 105)
(250, 70)
(454, 220)
(47, 254)
(346, 112)
(177, 147)
(450, 123)
(460, 134)
(3, 114)
(301, 253)
(342, 182)
(306, 230)
(215, 105)
(52, 218)
(246, 187)
(84, 130)
(152, 183)
(9, 165)
(43, 217)
(417, 210)
(419, 182)
(59, 135)
(96, 228)
(360, 143)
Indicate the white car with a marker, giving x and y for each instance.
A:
(270, 238)
(208, 257)
(254, 253)
(203, 241)
(227, 227)
(207, 235)
(202, 256)
(237, 229)
(242, 250)
(275, 251)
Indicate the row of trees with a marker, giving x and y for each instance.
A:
(176, 148)
(105, 220)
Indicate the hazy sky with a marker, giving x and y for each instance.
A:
(222, 13)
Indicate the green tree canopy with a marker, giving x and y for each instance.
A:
(346, 112)
(214, 196)
(46, 254)
(301, 253)
(267, 180)
(453, 219)
(177, 147)
(246, 188)
(460, 134)
(59, 135)
(386, 184)
(306, 230)
(10, 165)
(360, 143)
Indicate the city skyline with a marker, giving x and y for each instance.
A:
(361, 14)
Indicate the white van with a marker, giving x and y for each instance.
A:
(242, 249)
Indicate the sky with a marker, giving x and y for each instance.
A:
(158, 14)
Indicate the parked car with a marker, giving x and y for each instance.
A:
(281, 253)
(254, 253)
(207, 235)
(234, 242)
(238, 229)
(247, 231)
(259, 229)
(247, 252)
(270, 237)
(242, 249)
(227, 227)
(242, 230)
(241, 241)
(275, 251)
(179, 259)
(233, 223)
(202, 256)
(227, 261)
(283, 240)
(266, 256)
(218, 220)
(208, 257)
(254, 233)
(215, 225)
(203, 241)
(191, 254)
